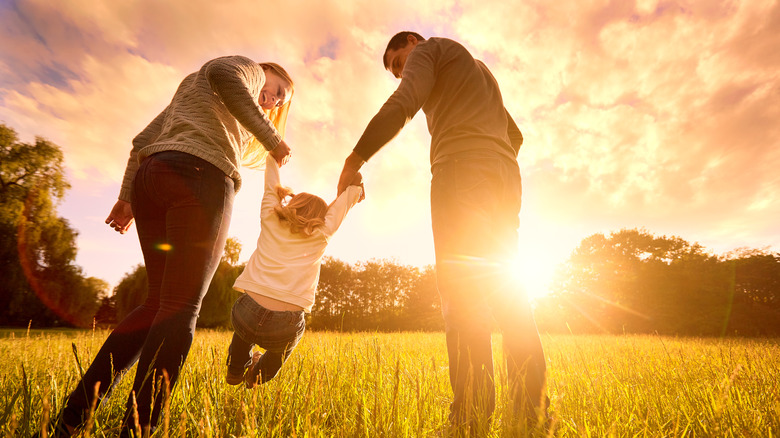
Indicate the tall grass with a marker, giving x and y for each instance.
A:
(396, 385)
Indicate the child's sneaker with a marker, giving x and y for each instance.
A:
(234, 379)
(253, 372)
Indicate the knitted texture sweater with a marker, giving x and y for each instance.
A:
(213, 115)
(285, 266)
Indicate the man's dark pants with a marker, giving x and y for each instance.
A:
(475, 204)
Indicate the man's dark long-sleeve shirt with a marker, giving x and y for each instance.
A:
(461, 100)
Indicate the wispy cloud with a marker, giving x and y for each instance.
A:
(656, 114)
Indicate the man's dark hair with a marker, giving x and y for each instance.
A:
(399, 41)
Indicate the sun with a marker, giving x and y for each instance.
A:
(535, 267)
(534, 276)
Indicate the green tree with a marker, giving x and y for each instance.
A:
(375, 295)
(41, 282)
(232, 251)
(106, 313)
(335, 296)
(632, 281)
(131, 291)
(757, 276)
(215, 310)
(422, 307)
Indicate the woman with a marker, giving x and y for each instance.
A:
(178, 187)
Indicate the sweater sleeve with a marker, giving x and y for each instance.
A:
(338, 210)
(414, 89)
(272, 180)
(232, 78)
(515, 136)
(143, 139)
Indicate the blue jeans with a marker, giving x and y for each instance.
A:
(278, 332)
(182, 207)
(475, 204)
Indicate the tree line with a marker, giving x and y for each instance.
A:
(628, 281)
(634, 282)
(378, 295)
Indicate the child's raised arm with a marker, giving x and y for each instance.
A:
(338, 209)
(358, 181)
(272, 180)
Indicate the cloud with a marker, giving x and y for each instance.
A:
(653, 113)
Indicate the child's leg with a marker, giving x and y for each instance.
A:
(270, 363)
(239, 355)
(284, 331)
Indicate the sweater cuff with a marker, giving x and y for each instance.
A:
(271, 142)
(124, 195)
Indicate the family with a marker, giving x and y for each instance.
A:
(179, 185)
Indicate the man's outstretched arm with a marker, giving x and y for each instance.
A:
(352, 166)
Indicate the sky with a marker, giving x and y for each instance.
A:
(650, 114)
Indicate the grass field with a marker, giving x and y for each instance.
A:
(396, 385)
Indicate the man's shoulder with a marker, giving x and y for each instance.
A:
(443, 42)
(445, 47)
(440, 47)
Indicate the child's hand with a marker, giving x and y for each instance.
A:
(358, 181)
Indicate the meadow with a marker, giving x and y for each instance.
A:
(396, 385)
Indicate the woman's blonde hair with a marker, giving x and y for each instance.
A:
(303, 212)
(254, 155)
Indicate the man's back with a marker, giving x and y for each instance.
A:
(460, 97)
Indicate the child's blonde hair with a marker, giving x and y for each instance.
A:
(254, 155)
(303, 212)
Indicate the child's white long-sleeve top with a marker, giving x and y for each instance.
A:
(285, 266)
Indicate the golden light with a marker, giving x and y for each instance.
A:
(533, 275)
(536, 265)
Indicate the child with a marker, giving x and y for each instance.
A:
(280, 278)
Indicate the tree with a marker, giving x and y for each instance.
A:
(106, 313)
(381, 287)
(335, 295)
(131, 291)
(219, 299)
(422, 307)
(375, 295)
(232, 251)
(41, 282)
(632, 281)
(757, 276)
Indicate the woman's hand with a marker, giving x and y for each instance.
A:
(121, 217)
(281, 153)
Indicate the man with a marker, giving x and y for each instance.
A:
(475, 203)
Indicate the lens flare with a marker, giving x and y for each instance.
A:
(54, 296)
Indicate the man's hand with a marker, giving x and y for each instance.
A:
(350, 171)
(281, 153)
(121, 217)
